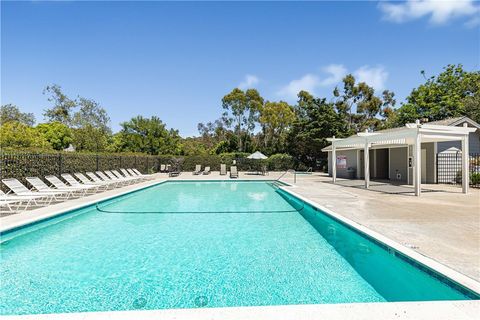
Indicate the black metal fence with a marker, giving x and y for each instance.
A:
(449, 168)
(21, 165)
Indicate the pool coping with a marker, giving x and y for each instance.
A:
(434, 310)
(458, 309)
(428, 262)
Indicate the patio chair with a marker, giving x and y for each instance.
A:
(233, 172)
(128, 175)
(162, 168)
(7, 200)
(223, 169)
(198, 169)
(120, 178)
(59, 184)
(206, 171)
(100, 177)
(86, 181)
(126, 178)
(41, 186)
(136, 173)
(107, 177)
(20, 190)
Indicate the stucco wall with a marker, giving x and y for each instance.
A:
(351, 162)
(430, 148)
(398, 164)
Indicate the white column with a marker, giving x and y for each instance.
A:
(465, 163)
(334, 161)
(366, 163)
(417, 164)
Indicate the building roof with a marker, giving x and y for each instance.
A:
(455, 121)
(444, 130)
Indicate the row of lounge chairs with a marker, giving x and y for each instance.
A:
(223, 170)
(20, 197)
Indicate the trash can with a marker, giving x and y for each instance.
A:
(351, 172)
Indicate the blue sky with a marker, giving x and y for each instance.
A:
(177, 59)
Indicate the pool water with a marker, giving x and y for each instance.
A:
(201, 244)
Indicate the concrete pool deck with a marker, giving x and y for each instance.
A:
(444, 225)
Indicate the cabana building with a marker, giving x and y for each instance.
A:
(404, 155)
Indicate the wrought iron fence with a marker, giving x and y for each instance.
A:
(20, 165)
(449, 168)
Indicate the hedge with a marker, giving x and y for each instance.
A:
(24, 164)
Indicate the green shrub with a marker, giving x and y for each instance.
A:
(280, 162)
(475, 178)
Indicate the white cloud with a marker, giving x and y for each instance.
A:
(249, 82)
(375, 77)
(336, 73)
(311, 82)
(439, 11)
(308, 82)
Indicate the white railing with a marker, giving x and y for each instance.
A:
(289, 170)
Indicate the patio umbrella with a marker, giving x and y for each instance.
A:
(257, 155)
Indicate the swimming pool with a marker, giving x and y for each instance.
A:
(203, 244)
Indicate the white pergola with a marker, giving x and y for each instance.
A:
(412, 134)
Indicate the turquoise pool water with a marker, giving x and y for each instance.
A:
(201, 244)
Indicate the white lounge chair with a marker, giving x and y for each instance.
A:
(7, 201)
(127, 178)
(198, 169)
(233, 172)
(126, 173)
(86, 181)
(223, 169)
(20, 190)
(114, 177)
(59, 184)
(41, 186)
(135, 172)
(206, 171)
(104, 177)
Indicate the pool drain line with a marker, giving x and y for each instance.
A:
(195, 212)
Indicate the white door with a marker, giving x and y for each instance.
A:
(424, 165)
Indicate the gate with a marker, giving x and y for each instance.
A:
(449, 168)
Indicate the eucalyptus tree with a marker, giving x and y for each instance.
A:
(63, 107)
(276, 119)
(241, 110)
(10, 112)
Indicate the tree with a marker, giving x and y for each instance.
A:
(316, 121)
(443, 96)
(276, 118)
(10, 112)
(211, 133)
(347, 99)
(90, 126)
(14, 134)
(62, 110)
(472, 107)
(242, 110)
(149, 136)
(368, 107)
(57, 134)
(91, 113)
(388, 112)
